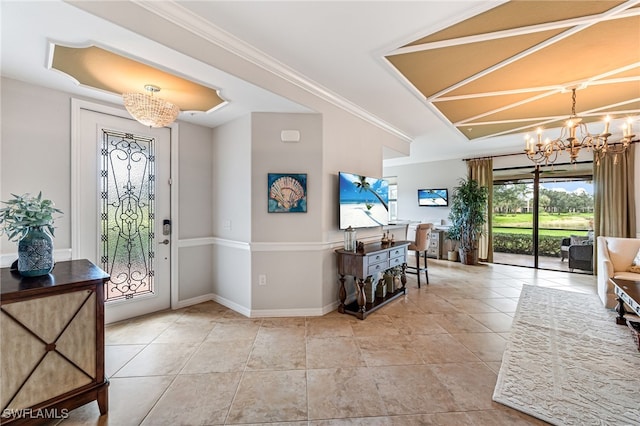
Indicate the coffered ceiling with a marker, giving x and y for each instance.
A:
(511, 69)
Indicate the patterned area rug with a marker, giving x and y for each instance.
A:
(568, 363)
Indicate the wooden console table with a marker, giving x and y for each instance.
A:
(52, 330)
(375, 258)
(627, 292)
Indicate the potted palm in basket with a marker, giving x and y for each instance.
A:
(468, 215)
(29, 221)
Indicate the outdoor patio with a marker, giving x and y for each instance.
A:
(544, 262)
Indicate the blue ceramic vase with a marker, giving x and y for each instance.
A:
(35, 253)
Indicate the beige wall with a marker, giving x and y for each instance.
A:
(36, 150)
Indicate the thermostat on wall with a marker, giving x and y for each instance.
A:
(290, 136)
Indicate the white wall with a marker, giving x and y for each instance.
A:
(286, 246)
(195, 183)
(270, 155)
(36, 150)
(411, 177)
(231, 218)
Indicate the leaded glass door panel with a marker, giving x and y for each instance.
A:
(127, 218)
(127, 191)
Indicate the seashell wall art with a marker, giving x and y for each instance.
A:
(287, 192)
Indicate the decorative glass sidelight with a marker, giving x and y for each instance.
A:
(127, 214)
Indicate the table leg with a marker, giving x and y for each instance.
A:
(361, 298)
(342, 294)
(403, 276)
(103, 399)
(621, 312)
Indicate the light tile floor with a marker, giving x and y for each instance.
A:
(430, 358)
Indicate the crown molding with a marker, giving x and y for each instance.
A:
(182, 17)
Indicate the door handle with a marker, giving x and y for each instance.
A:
(165, 242)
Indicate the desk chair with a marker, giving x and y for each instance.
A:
(420, 245)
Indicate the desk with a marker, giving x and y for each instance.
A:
(52, 354)
(627, 292)
(374, 259)
(436, 244)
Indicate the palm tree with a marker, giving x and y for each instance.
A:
(363, 185)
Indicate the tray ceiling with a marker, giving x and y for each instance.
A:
(101, 69)
(511, 69)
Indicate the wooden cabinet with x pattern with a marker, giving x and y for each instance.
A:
(52, 332)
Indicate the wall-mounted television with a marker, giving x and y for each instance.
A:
(364, 201)
(433, 197)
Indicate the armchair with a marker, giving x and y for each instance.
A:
(615, 256)
(581, 257)
(564, 248)
(576, 240)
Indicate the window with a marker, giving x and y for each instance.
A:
(393, 198)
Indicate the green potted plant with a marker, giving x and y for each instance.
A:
(468, 215)
(29, 221)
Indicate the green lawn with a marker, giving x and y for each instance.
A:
(542, 232)
(554, 221)
(551, 225)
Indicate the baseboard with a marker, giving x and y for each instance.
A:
(193, 301)
(259, 313)
(305, 312)
(330, 307)
(242, 310)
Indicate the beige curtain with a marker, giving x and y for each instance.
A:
(615, 214)
(481, 170)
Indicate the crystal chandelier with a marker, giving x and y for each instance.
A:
(575, 136)
(149, 110)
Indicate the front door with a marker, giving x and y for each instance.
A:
(124, 192)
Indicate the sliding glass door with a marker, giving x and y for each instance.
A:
(540, 212)
(513, 221)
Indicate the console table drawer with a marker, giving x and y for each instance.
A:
(396, 261)
(635, 306)
(378, 257)
(436, 244)
(397, 252)
(377, 267)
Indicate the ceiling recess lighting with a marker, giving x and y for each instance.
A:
(573, 137)
(150, 110)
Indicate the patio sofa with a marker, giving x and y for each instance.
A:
(615, 256)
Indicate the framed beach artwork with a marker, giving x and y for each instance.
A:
(287, 192)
